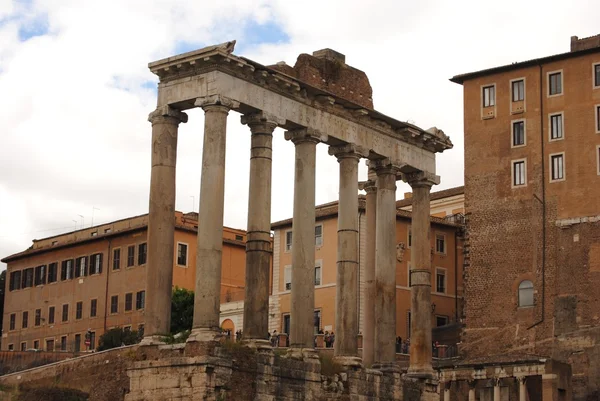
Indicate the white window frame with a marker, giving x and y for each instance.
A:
(597, 118)
(445, 273)
(126, 247)
(95, 263)
(491, 85)
(594, 86)
(598, 159)
(187, 253)
(562, 85)
(319, 264)
(286, 269)
(321, 244)
(512, 173)
(562, 126)
(112, 262)
(564, 166)
(110, 297)
(83, 265)
(438, 234)
(287, 247)
(512, 127)
(519, 294)
(524, 91)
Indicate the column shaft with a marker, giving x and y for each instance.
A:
(369, 298)
(303, 241)
(258, 243)
(210, 224)
(346, 300)
(497, 392)
(385, 268)
(522, 389)
(471, 394)
(420, 337)
(161, 221)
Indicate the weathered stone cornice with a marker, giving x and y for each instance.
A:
(421, 179)
(217, 100)
(262, 121)
(167, 112)
(305, 135)
(348, 150)
(220, 57)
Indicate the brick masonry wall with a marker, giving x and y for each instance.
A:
(506, 224)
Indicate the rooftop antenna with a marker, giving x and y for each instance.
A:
(75, 221)
(81, 220)
(93, 208)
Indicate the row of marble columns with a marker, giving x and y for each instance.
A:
(380, 311)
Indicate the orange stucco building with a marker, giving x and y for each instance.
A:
(447, 260)
(94, 279)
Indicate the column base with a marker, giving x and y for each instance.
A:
(348, 361)
(421, 373)
(386, 367)
(204, 335)
(152, 340)
(258, 344)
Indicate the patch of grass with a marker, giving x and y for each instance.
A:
(328, 366)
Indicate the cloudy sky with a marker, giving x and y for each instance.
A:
(75, 90)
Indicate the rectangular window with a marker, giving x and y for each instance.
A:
(142, 248)
(518, 173)
(52, 272)
(63, 343)
(556, 126)
(79, 310)
(140, 300)
(81, 268)
(518, 133)
(50, 345)
(25, 320)
(128, 301)
(557, 164)
(40, 275)
(597, 74)
(13, 321)
(319, 235)
(489, 96)
(288, 241)
(182, 251)
(93, 308)
(409, 237)
(441, 321)
(24, 346)
(96, 264)
(116, 259)
(287, 277)
(440, 243)
(317, 275)
(114, 304)
(36, 344)
(15, 280)
(598, 158)
(239, 237)
(27, 278)
(66, 270)
(11, 347)
(555, 83)
(598, 119)
(130, 255)
(440, 281)
(65, 313)
(77, 342)
(518, 90)
(51, 315)
(38, 317)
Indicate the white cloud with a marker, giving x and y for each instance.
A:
(73, 110)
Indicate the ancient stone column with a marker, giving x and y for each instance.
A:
(497, 390)
(369, 298)
(385, 267)
(346, 300)
(303, 240)
(522, 389)
(258, 242)
(207, 298)
(161, 222)
(420, 290)
(471, 393)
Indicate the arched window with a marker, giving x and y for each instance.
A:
(525, 293)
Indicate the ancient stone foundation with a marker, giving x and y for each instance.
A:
(230, 371)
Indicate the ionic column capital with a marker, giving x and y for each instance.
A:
(214, 101)
(370, 186)
(348, 150)
(385, 166)
(305, 135)
(262, 122)
(421, 179)
(167, 113)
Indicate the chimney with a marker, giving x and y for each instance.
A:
(330, 54)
